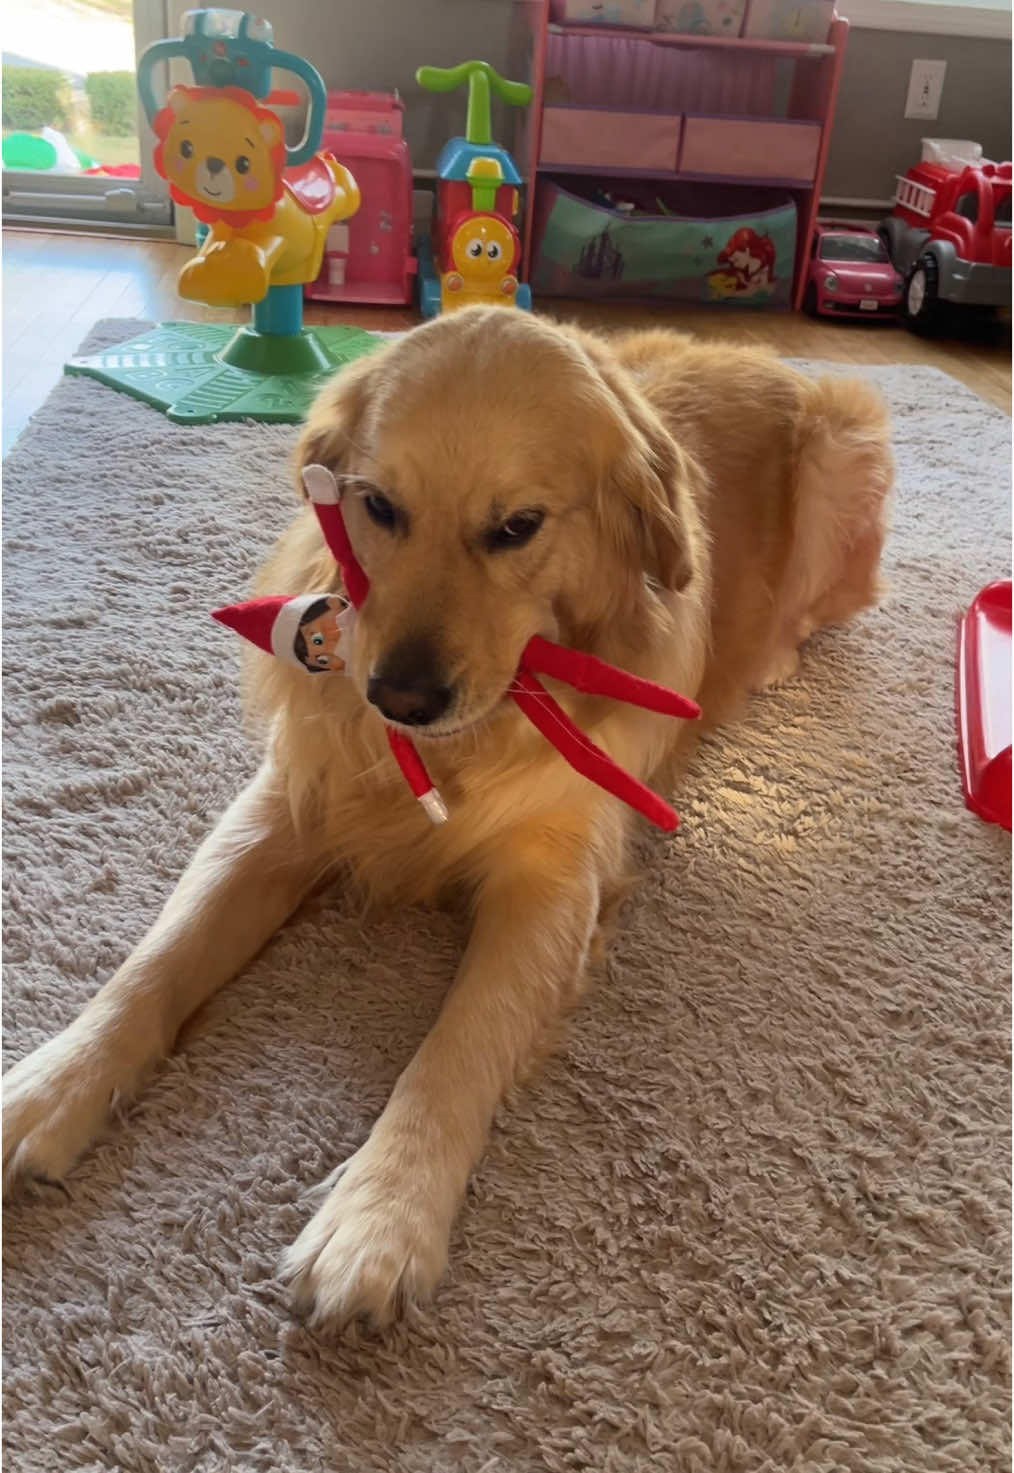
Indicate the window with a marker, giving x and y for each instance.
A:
(75, 144)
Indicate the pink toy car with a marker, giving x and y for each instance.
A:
(850, 273)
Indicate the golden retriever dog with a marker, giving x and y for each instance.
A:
(689, 511)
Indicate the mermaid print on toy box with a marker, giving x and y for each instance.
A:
(677, 241)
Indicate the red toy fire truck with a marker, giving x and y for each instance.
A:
(950, 232)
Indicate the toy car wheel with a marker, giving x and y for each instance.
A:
(920, 297)
(810, 300)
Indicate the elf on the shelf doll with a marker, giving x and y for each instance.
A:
(316, 630)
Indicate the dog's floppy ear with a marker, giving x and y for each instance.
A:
(335, 423)
(646, 481)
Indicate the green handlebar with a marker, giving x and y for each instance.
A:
(482, 79)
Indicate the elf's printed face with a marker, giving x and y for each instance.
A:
(318, 642)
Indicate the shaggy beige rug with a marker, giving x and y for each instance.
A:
(752, 1219)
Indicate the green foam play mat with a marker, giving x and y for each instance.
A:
(200, 372)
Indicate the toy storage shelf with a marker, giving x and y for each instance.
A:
(676, 176)
(723, 43)
(693, 79)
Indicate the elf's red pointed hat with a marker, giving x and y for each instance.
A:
(270, 623)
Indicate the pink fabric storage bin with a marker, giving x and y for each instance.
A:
(789, 20)
(750, 148)
(701, 17)
(607, 138)
(627, 72)
(639, 13)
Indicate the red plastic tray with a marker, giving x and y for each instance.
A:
(984, 704)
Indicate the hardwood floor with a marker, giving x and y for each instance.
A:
(56, 285)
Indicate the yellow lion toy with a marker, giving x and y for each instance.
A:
(224, 156)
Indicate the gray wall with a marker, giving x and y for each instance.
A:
(377, 45)
(872, 139)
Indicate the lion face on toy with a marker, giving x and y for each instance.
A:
(220, 151)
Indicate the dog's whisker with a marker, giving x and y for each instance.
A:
(354, 444)
(363, 482)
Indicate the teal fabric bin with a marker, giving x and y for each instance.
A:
(685, 242)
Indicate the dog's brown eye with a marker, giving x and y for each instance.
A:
(379, 509)
(516, 530)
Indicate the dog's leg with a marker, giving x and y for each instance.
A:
(380, 1237)
(247, 877)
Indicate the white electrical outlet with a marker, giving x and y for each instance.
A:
(925, 86)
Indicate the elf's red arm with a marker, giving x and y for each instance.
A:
(323, 492)
(583, 755)
(326, 498)
(594, 677)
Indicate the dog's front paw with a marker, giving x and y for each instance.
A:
(782, 666)
(377, 1244)
(56, 1101)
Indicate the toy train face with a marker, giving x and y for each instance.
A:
(479, 262)
(479, 246)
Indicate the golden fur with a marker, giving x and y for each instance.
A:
(706, 508)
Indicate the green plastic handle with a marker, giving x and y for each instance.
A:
(482, 79)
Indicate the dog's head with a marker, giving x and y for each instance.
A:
(500, 478)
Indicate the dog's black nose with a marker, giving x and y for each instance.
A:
(409, 685)
(214, 165)
(414, 705)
